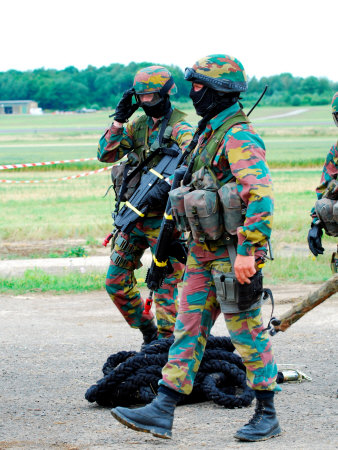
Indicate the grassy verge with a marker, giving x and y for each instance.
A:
(37, 280)
(295, 269)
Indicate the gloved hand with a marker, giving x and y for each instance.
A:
(125, 107)
(158, 196)
(178, 249)
(314, 239)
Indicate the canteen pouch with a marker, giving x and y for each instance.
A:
(235, 297)
(177, 207)
(202, 211)
(233, 209)
(327, 211)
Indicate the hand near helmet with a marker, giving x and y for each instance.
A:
(125, 107)
(314, 239)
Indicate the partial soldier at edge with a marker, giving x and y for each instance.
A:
(325, 212)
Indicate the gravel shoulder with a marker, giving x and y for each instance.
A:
(52, 348)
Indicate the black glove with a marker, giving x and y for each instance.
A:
(178, 249)
(125, 107)
(158, 196)
(314, 239)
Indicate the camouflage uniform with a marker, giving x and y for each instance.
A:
(241, 154)
(120, 282)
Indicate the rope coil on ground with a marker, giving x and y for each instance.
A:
(132, 377)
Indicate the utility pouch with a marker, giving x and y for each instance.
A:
(233, 209)
(118, 174)
(203, 214)
(205, 179)
(177, 207)
(233, 296)
(327, 211)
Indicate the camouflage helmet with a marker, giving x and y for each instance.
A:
(154, 79)
(335, 108)
(222, 73)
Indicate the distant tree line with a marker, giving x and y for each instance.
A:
(72, 89)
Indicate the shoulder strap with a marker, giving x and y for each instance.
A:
(209, 153)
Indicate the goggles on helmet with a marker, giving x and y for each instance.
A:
(156, 98)
(215, 83)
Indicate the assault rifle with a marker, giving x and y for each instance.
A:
(138, 205)
(161, 265)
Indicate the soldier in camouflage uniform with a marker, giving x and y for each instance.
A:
(152, 87)
(328, 188)
(231, 150)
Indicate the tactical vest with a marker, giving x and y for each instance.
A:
(140, 136)
(197, 207)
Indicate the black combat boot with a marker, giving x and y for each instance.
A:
(264, 423)
(149, 332)
(156, 418)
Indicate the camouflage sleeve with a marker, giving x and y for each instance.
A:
(246, 155)
(116, 143)
(330, 171)
(182, 134)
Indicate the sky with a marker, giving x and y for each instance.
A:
(268, 37)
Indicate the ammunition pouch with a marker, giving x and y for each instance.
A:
(127, 248)
(203, 214)
(177, 207)
(327, 211)
(235, 297)
(233, 209)
(122, 262)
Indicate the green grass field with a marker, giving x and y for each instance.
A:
(77, 208)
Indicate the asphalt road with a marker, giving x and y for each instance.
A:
(52, 348)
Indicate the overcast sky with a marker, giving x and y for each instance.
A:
(268, 37)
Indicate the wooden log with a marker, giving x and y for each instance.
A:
(312, 300)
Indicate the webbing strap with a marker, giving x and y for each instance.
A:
(125, 245)
(119, 261)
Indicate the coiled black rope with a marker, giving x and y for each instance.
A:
(131, 378)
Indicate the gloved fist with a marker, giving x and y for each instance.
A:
(314, 239)
(125, 107)
(158, 196)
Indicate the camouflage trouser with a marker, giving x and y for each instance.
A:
(121, 283)
(198, 311)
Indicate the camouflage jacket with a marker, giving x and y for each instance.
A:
(330, 171)
(241, 156)
(118, 142)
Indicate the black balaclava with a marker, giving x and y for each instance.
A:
(159, 109)
(208, 101)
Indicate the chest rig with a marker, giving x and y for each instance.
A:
(207, 207)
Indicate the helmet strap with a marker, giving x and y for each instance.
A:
(166, 87)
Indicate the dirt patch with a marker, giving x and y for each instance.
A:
(52, 348)
(41, 249)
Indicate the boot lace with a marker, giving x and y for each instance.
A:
(256, 418)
